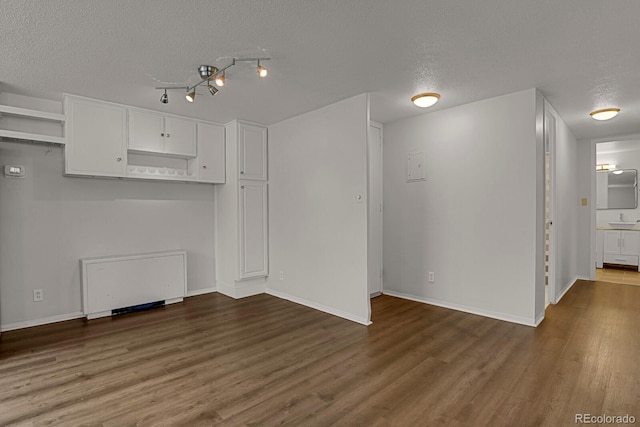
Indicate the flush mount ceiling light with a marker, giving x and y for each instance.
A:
(207, 74)
(604, 114)
(424, 100)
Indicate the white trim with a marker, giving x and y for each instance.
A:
(41, 321)
(566, 288)
(225, 289)
(539, 319)
(201, 291)
(320, 307)
(464, 308)
(241, 289)
(583, 278)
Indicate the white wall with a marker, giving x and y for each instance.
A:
(565, 224)
(586, 231)
(317, 227)
(48, 222)
(475, 221)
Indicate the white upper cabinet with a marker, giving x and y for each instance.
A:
(211, 153)
(180, 137)
(146, 131)
(252, 152)
(96, 135)
(155, 133)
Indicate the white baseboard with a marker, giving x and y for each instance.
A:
(473, 310)
(566, 289)
(320, 307)
(201, 291)
(539, 319)
(583, 278)
(41, 321)
(241, 289)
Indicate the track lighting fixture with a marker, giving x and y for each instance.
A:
(262, 72)
(220, 80)
(208, 73)
(191, 94)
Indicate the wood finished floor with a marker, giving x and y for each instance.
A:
(623, 276)
(263, 361)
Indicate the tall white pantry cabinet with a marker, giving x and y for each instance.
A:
(242, 214)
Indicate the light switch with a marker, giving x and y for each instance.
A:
(11, 171)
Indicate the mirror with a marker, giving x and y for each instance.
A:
(617, 189)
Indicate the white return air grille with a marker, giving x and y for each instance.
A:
(116, 282)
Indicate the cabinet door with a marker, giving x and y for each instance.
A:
(252, 152)
(630, 243)
(253, 260)
(211, 154)
(612, 242)
(146, 130)
(96, 138)
(180, 137)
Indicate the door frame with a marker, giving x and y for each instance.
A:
(379, 252)
(550, 133)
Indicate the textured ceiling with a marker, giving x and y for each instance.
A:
(580, 54)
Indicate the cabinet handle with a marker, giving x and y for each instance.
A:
(241, 172)
(204, 166)
(168, 135)
(162, 134)
(119, 159)
(242, 186)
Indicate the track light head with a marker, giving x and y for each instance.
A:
(164, 98)
(262, 72)
(206, 71)
(220, 80)
(212, 89)
(191, 94)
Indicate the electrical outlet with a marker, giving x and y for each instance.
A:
(432, 277)
(281, 275)
(38, 295)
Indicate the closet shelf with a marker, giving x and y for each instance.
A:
(8, 110)
(35, 114)
(32, 136)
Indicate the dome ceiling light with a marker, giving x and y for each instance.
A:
(424, 100)
(604, 114)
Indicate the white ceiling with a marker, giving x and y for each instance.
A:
(580, 54)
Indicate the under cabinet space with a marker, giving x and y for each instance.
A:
(150, 166)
